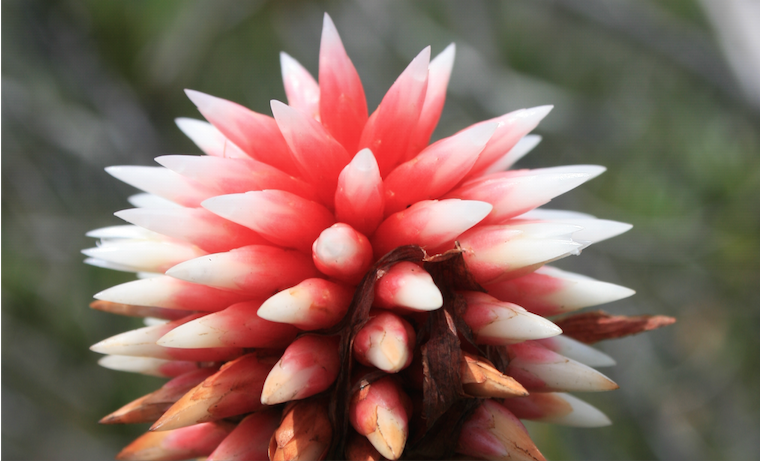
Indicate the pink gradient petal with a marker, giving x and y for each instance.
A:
(256, 270)
(235, 326)
(439, 72)
(256, 134)
(193, 225)
(319, 157)
(389, 129)
(342, 105)
(342, 253)
(436, 170)
(359, 196)
(281, 217)
(300, 87)
(235, 175)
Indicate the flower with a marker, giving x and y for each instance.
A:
(324, 283)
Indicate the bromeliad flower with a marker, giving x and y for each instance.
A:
(329, 285)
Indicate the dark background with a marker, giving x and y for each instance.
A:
(666, 94)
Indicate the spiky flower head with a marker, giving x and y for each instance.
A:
(325, 284)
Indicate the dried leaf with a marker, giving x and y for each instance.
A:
(591, 327)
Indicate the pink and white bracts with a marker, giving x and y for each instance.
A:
(259, 252)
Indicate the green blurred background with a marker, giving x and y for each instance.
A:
(665, 93)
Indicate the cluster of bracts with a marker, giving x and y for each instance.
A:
(324, 284)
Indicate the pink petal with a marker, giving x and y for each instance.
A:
(256, 270)
(319, 157)
(256, 134)
(300, 87)
(281, 217)
(210, 140)
(512, 127)
(308, 366)
(342, 253)
(235, 326)
(250, 439)
(429, 223)
(313, 304)
(359, 196)
(193, 225)
(389, 130)
(342, 105)
(436, 170)
(235, 175)
(170, 293)
(164, 183)
(438, 80)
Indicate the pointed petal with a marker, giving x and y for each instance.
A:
(235, 389)
(386, 341)
(592, 230)
(147, 365)
(541, 370)
(342, 105)
(281, 217)
(185, 443)
(442, 165)
(145, 255)
(515, 192)
(512, 127)
(256, 270)
(319, 157)
(342, 253)
(256, 134)
(493, 432)
(522, 148)
(170, 293)
(551, 291)
(313, 304)
(308, 366)
(234, 175)
(409, 286)
(193, 225)
(151, 201)
(235, 326)
(430, 224)
(250, 439)
(149, 408)
(388, 131)
(359, 197)
(439, 72)
(164, 183)
(578, 351)
(123, 232)
(496, 253)
(300, 87)
(499, 323)
(557, 408)
(208, 139)
(142, 343)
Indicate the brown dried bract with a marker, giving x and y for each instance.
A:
(481, 379)
(592, 327)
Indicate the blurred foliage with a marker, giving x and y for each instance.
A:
(638, 86)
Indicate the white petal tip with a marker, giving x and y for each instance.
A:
(420, 294)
